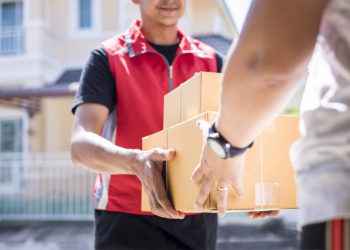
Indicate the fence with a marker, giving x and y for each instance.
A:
(48, 186)
(44, 186)
(11, 40)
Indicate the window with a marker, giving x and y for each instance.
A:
(85, 14)
(10, 135)
(10, 142)
(11, 31)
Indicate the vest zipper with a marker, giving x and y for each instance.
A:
(170, 67)
(171, 78)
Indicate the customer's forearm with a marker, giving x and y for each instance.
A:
(91, 151)
(263, 71)
(248, 108)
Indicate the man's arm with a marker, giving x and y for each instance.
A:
(90, 150)
(260, 76)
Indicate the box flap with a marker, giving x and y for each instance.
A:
(190, 97)
(172, 108)
(210, 92)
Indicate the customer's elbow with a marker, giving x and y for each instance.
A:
(274, 71)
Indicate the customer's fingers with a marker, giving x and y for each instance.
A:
(197, 175)
(203, 126)
(237, 185)
(221, 197)
(203, 194)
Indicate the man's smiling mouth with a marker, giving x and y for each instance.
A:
(168, 9)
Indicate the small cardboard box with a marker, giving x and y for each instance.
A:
(197, 95)
(268, 175)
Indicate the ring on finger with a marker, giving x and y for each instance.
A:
(222, 188)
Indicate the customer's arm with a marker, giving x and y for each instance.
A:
(90, 150)
(260, 76)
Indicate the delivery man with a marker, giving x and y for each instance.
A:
(262, 73)
(123, 86)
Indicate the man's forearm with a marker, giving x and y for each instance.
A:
(91, 151)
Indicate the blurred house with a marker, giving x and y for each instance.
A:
(44, 45)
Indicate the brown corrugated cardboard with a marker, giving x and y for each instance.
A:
(197, 95)
(268, 176)
(274, 187)
(187, 141)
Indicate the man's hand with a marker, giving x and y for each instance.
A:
(263, 215)
(148, 165)
(213, 169)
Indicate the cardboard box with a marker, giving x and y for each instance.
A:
(197, 95)
(268, 176)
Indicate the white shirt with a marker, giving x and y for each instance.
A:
(322, 156)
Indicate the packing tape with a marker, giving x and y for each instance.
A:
(266, 193)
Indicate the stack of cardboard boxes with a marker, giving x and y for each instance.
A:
(268, 176)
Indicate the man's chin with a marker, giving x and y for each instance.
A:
(167, 23)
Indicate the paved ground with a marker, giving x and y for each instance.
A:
(270, 234)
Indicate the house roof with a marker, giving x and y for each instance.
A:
(29, 98)
(218, 42)
(69, 76)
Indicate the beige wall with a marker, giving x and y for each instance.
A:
(37, 10)
(36, 132)
(110, 10)
(58, 121)
(206, 17)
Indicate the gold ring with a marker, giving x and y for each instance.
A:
(222, 188)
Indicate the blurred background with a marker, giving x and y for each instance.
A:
(46, 201)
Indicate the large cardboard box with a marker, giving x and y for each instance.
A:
(268, 176)
(197, 95)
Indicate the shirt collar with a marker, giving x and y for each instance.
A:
(137, 43)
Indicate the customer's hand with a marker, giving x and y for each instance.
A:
(213, 169)
(148, 165)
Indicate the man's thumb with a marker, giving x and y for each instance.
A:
(162, 155)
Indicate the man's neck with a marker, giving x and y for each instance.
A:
(160, 35)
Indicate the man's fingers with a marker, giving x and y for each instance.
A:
(221, 197)
(203, 194)
(162, 199)
(155, 207)
(158, 154)
(237, 185)
(197, 175)
(263, 214)
(275, 213)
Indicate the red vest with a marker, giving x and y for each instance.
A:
(143, 77)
